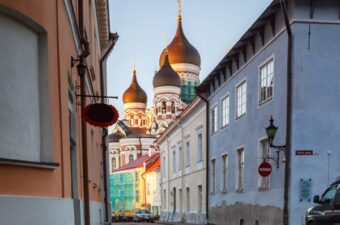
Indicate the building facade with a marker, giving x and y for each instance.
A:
(288, 71)
(133, 186)
(52, 163)
(183, 166)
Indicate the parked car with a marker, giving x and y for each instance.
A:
(327, 210)
(143, 215)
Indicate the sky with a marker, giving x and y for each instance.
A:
(212, 26)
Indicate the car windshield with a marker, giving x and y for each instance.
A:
(329, 195)
(143, 212)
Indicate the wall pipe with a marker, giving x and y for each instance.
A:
(113, 38)
(206, 155)
(287, 172)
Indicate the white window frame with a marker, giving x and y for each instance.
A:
(174, 159)
(225, 171)
(271, 75)
(187, 153)
(199, 146)
(213, 119)
(213, 175)
(263, 182)
(241, 101)
(225, 111)
(240, 168)
(180, 156)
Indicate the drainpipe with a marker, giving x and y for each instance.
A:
(206, 155)
(113, 38)
(83, 123)
(144, 183)
(287, 173)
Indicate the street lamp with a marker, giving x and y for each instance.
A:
(271, 132)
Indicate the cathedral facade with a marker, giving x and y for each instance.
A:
(173, 89)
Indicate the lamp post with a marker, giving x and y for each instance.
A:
(271, 132)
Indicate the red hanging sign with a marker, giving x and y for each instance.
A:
(100, 114)
(265, 169)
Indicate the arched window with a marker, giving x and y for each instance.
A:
(130, 158)
(173, 109)
(114, 164)
(163, 107)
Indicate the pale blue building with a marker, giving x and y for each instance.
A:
(294, 78)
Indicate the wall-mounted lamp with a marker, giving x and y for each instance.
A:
(271, 132)
(81, 66)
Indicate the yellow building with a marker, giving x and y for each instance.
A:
(183, 166)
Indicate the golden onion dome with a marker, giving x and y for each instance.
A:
(134, 93)
(166, 76)
(180, 50)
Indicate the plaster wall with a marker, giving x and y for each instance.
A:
(178, 179)
(247, 132)
(315, 125)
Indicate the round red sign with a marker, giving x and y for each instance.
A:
(265, 169)
(100, 114)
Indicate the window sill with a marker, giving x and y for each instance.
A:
(263, 188)
(224, 191)
(24, 163)
(263, 102)
(240, 116)
(239, 190)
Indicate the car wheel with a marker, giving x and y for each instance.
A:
(310, 223)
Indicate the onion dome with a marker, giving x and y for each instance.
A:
(134, 93)
(166, 76)
(180, 50)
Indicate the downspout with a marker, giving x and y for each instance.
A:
(144, 183)
(206, 156)
(287, 173)
(113, 38)
(83, 123)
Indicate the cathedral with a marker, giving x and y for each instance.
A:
(173, 89)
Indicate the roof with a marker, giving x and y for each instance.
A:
(129, 132)
(248, 37)
(166, 76)
(134, 93)
(180, 50)
(134, 164)
(154, 166)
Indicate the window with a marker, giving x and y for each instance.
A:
(174, 161)
(199, 147)
(214, 119)
(164, 199)
(200, 198)
(263, 182)
(225, 111)
(24, 90)
(163, 167)
(266, 81)
(113, 164)
(137, 196)
(136, 176)
(241, 98)
(130, 158)
(163, 107)
(225, 173)
(240, 170)
(187, 154)
(213, 175)
(188, 199)
(179, 157)
(173, 108)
